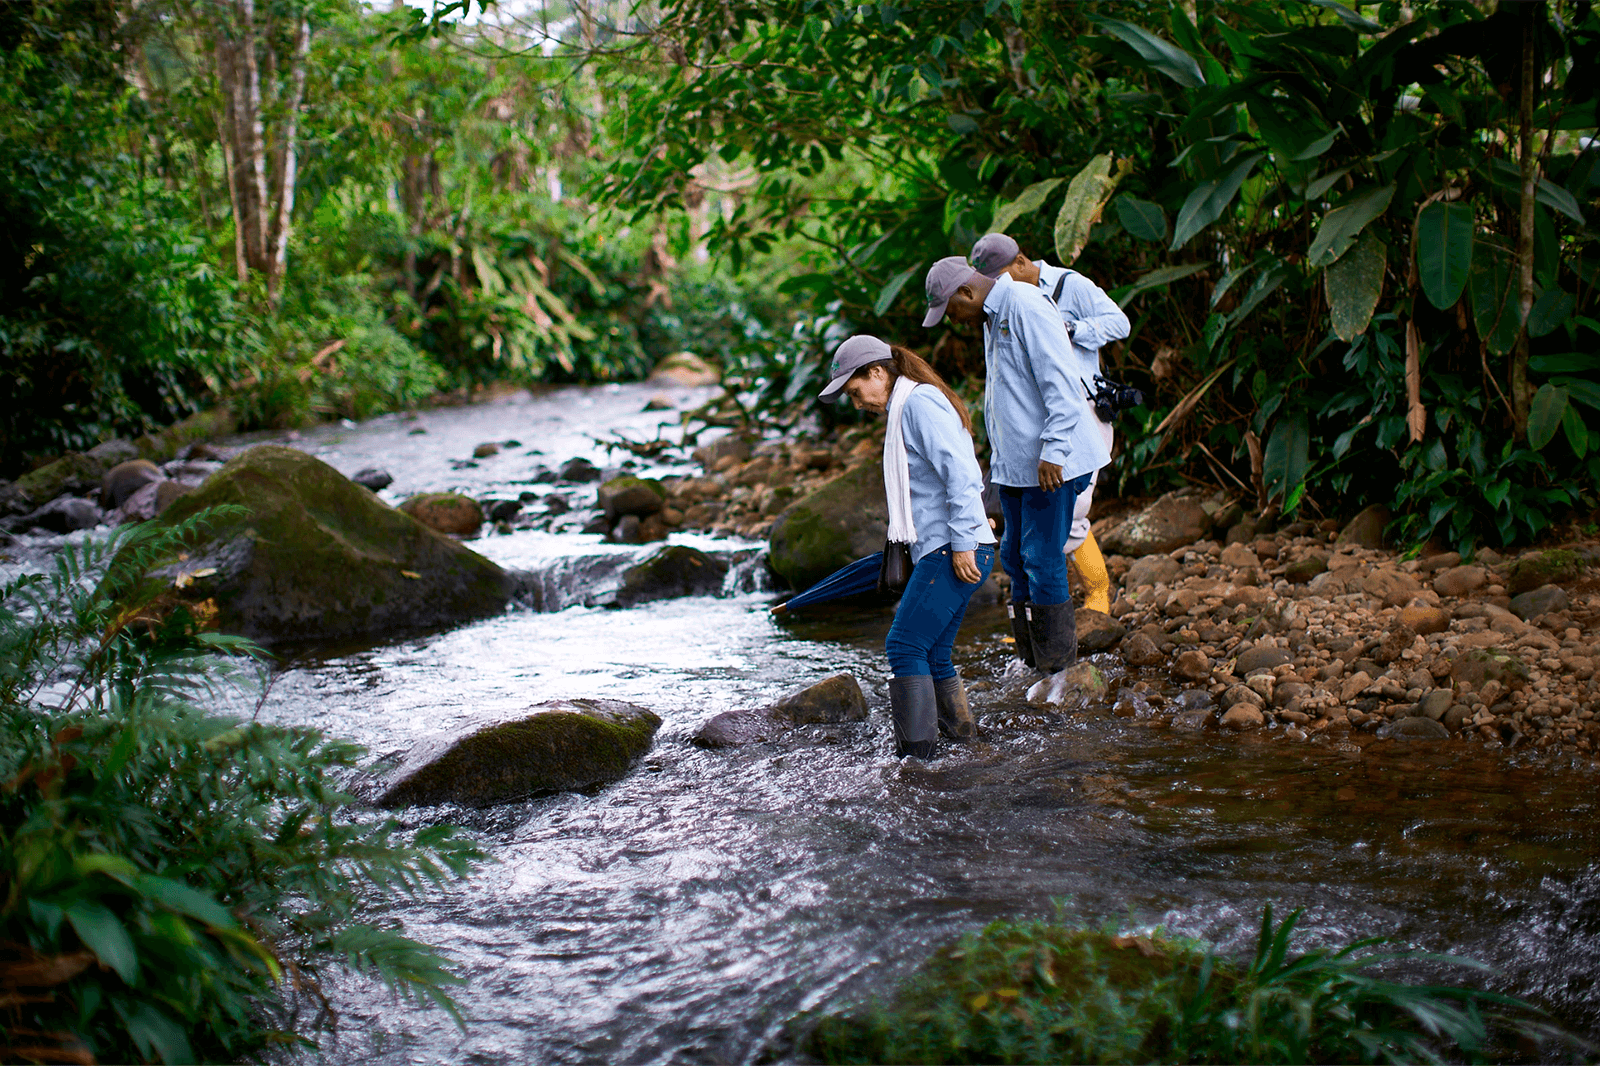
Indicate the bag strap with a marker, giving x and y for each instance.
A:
(1061, 283)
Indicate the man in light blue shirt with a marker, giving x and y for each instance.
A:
(1093, 320)
(1044, 444)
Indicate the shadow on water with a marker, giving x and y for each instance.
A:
(687, 912)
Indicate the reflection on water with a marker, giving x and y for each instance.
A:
(685, 913)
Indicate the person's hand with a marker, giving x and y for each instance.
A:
(1050, 477)
(966, 567)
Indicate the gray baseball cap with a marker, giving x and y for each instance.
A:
(852, 354)
(993, 253)
(944, 278)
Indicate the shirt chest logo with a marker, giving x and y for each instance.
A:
(1005, 327)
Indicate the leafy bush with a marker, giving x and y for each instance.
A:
(174, 884)
(1064, 992)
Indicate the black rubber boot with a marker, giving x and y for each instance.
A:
(1054, 630)
(955, 717)
(914, 707)
(1019, 630)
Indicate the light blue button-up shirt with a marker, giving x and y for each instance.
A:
(1096, 318)
(1034, 405)
(946, 484)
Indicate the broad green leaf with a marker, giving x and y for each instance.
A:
(1505, 174)
(1341, 226)
(1566, 363)
(1577, 432)
(962, 123)
(1494, 302)
(157, 1035)
(1318, 146)
(1161, 55)
(1142, 218)
(1207, 202)
(1444, 252)
(1354, 283)
(1157, 278)
(103, 933)
(1227, 282)
(1349, 17)
(1030, 199)
(1266, 284)
(185, 900)
(1087, 194)
(886, 298)
(1585, 392)
(1316, 188)
(1283, 466)
(1544, 415)
(1550, 310)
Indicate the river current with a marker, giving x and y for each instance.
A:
(686, 913)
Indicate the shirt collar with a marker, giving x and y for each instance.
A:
(991, 302)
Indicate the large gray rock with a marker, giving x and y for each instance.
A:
(841, 522)
(1543, 600)
(65, 514)
(673, 571)
(564, 745)
(152, 500)
(1151, 570)
(830, 702)
(1073, 687)
(313, 555)
(1170, 522)
(1547, 567)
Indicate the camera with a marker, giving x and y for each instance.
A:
(1111, 398)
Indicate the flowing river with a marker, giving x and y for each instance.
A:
(688, 912)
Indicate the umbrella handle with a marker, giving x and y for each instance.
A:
(779, 608)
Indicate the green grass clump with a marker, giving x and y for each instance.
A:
(1038, 991)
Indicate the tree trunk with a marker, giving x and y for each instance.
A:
(226, 125)
(286, 163)
(1521, 398)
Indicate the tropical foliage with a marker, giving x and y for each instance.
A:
(175, 884)
(1061, 991)
(1356, 246)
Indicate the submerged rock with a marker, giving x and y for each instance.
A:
(830, 702)
(318, 556)
(564, 745)
(1073, 687)
(673, 571)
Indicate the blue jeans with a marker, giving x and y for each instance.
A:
(1038, 523)
(930, 613)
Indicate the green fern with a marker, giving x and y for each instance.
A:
(194, 859)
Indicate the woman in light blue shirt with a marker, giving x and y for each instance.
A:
(954, 546)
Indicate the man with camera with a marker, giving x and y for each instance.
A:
(1092, 319)
(1044, 444)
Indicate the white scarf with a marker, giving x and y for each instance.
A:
(896, 467)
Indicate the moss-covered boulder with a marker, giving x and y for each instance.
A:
(447, 512)
(631, 495)
(673, 571)
(841, 522)
(1551, 567)
(318, 556)
(562, 746)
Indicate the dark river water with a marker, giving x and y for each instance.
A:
(686, 913)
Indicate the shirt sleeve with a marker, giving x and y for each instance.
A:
(1099, 320)
(933, 430)
(1049, 352)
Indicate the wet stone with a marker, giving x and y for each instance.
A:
(1242, 716)
(1413, 728)
(447, 512)
(124, 479)
(373, 478)
(1140, 650)
(64, 514)
(1072, 687)
(1263, 657)
(486, 450)
(1544, 600)
(1192, 665)
(577, 470)
(1097, 631)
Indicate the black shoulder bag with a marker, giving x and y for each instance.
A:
(894, 574)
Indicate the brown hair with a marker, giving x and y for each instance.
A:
(909, 363)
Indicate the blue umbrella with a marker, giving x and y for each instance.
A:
(860, 576)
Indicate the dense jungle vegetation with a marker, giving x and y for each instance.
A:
(1353, 240)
